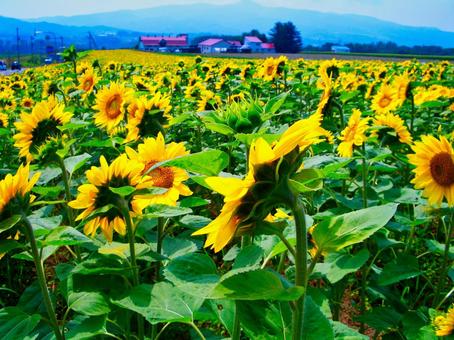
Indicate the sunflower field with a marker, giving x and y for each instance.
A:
(147, 196)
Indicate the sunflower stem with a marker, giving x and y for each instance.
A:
(444, 266)
(69, 211)
(301, 273)
(364, 175)
(123, 205)
(159, 239)
(42, 277)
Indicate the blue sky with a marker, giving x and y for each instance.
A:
(435, 13)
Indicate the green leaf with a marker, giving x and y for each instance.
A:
(192, 202)
(307, 180)
(66, 236)
(381, 318)
(209, 162)
(338, 266)
(161, 302)
(438, 248)
(275, 319)
(9, 223)
(88, 303)
(258, 284)
(15, 324)
(162, 210)
(316, 325)
(8, 245)
(402, 268)
(343, 332)
(123, 191)
(220, 128)
(173, 247)
(249, 257)
(85, 327)
(274, 104)
(72, 164)
(338, 232)
(122, 249)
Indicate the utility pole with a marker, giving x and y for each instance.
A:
(17, 44)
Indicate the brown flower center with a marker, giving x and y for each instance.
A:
(162, 177)
(87, 84)
(27, 103)
(384, 101)
(442, 169)
(113, 106)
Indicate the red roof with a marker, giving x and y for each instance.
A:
(210, 42)
(235, 43)
(268, 46)
(252, 39)
(181, 40)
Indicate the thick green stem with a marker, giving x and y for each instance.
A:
(444, 266)
(160, 238)
(364, 175)
(301, 277)
(236, 332)
(123, 205)
(41, 277)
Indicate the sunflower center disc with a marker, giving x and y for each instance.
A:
(384, 102)
(113, 106)
(162, 177)
(87, 84)
(442, 169)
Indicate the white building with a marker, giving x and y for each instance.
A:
(214, 46)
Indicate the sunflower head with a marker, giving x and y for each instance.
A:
(391, 124)
(87, 80)
(385, 100)
(39, 127)
(353, 134)
(444, 323)
(97, 194)
(15, 192)
(3, 121)
(434, 172)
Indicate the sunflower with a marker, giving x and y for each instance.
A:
(402, 86)
(395, 123)
(148, 116)
(329, 69)
(15, 192)
(153, 151)
(245, 199)
(97, 194)
(268, 69)
(444, 324)
(39, 127)
(110, 105)
(87, 81)
(434, 172)
(208, 101)
(3, 120)
(353, 134)
(385, 100)
(27, 103)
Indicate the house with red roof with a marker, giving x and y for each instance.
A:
(163, 43)
(214, 45)
(256, 45)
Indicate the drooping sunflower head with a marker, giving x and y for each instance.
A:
(153, 151)
(148, 117)
(385, 100)
(329, 69)
(96, 194)
(39, 127)
(434, 172)
(397, 126)
(110, 105)
(15, 192)
(353, 134)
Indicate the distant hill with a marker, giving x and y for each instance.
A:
(316, 27)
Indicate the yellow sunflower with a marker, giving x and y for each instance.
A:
(208, 101)
(268, 69)
(395, 123)
(110, 105)
(153, 151)
(87, 81)
(39, 127)
(240, 198)
(15, 192)
(385, 100)
(147, 117)
(353, 134)
(96, 194)
(27, 103)
(3, 120)
(434, 172)
(401, 84)
(444, 324)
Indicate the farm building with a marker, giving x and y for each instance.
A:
(252, 44)
(340, 49)
(163, 43)
(214, 46)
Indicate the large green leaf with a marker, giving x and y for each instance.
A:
(15, 324)
(343, 332)
(161, 302)
(209, 162)
(86, 327)
(162, 210)
(316, 325)
(335, 233)
(72, 164)
(88, 303)
(402, 268)
(339, 265)
(9, 223)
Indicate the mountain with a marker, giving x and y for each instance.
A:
(315, 27)
(54, 36)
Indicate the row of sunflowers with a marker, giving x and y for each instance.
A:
(177, 197)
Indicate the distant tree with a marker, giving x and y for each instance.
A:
(255, 33)
(286, 38)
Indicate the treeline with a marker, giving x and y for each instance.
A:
(385, 47)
